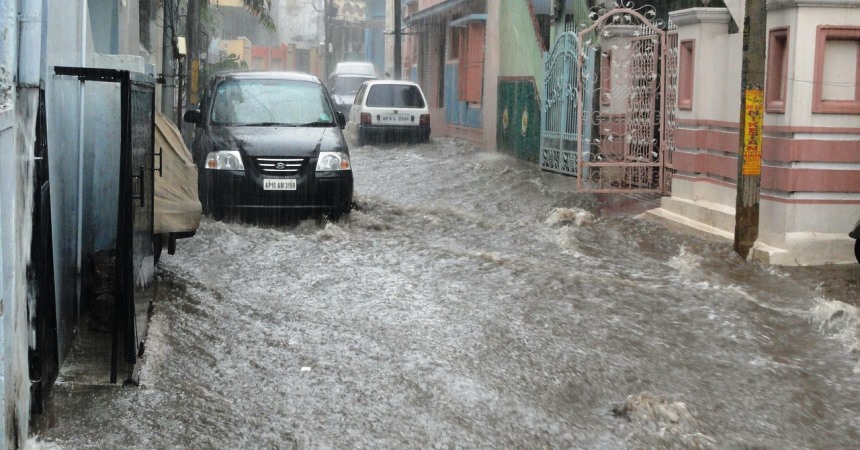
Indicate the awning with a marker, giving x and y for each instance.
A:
(463, 21)
(433, 10)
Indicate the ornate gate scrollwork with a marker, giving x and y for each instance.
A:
(609, 111)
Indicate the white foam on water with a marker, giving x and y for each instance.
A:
(662, 423)
(686, 261)
(569, 216)
(841, 321)
(34, 444)
(155, 356)
(332, 232)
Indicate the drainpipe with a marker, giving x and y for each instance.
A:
(28, 34)
(82, 111)
(8, 172)
(30, 44)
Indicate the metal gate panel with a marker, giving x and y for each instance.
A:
(626, 154)
(141, 116)
(559, 118)
(670, 99)
(641, 138)
(610, 127)
(135, 271)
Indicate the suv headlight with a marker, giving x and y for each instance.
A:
(224, 160)
(333, 161)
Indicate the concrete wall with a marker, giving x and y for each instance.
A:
(810, 194)
(79, 134)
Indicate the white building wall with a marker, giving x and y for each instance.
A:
(299, 23)
(796, 228)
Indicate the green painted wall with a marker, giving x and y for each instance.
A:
(518, 132)
(521, 54)
(520, 78)
(520, 68)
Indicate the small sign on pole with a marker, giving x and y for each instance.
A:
(195, 78)
(753, 123)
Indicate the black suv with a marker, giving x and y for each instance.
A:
(270, 141)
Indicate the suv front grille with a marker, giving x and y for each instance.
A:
(281, 166)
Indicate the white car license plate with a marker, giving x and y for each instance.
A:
(394, 118)
(279, 185)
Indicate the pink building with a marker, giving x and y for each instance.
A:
(273, 58)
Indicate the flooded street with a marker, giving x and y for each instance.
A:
(472, 301)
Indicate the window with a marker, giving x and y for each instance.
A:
(837, 70)
(395, 96)
(777, 70)
(471, 74)
(247, 102)
(686, 66)
(544, 23)
(454, 43)
(359, 97)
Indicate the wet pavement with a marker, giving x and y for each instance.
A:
(472, 301)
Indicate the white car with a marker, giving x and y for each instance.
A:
(363, 69)
(385, 108)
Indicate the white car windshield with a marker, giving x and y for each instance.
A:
(348, 85)
(271, 103)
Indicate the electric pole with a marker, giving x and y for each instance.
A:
(751, 127)
(398, 23)
(328, 11)
(168, 61)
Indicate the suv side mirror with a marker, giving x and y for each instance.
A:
(341, 119)
(192, 116)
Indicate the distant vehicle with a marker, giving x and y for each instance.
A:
(364, 69)
(344, 89)
(384, 108)
(176, 208)
(270, 141)
(855, 234)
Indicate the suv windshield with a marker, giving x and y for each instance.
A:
(395, 96)
(270, 103)
(348, 85)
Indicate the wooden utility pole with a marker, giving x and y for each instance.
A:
(751, 127)
(398, 50)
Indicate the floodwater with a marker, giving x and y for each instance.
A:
(472, 301)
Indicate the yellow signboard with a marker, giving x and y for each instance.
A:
(195, 75)
(753, 132)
